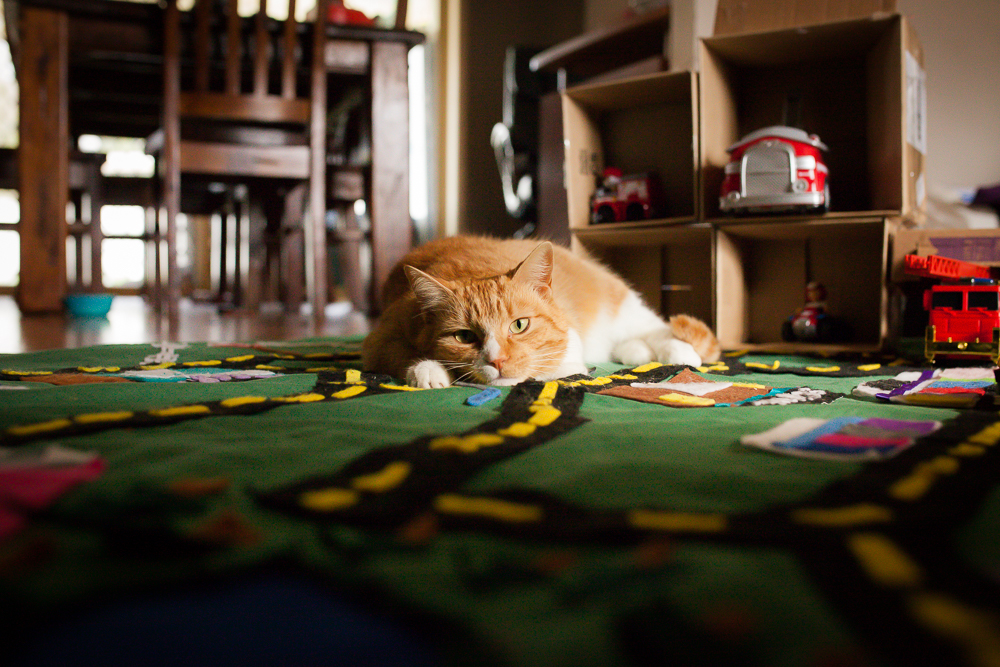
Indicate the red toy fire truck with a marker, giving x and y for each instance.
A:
(775, 169)
(963, 311)
(634, 197)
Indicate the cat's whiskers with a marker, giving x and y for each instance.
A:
(464, 376)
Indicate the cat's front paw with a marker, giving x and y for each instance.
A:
(427, 374)
(675, 351)
(632, 352)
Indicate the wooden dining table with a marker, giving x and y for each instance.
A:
(95, 67)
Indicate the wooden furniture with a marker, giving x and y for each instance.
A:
(95, 66)
(212, 127)
(86, 194)
(86, 186)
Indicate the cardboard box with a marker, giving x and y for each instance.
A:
(742, 16)
(762, 270)
(671, 266)
(639, 124)
(858, 84)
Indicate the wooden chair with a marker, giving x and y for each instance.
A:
(86, 193)
(238, 105)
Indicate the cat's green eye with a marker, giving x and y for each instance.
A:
(520, 325)
(465, 336)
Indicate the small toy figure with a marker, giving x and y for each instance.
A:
(619, 198)
(811, 322)
(775, 169)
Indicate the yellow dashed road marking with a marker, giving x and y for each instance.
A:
(181, 411)
(488, 507)
(41, 427)
(242, 400)
(851, 515)
(101, 417)
(313, 397)
(677, 521)
(885, 563)
(328, 500)
(388, 478)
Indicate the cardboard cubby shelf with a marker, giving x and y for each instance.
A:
(855, 77)
(671, 266)
(644, 123)
(858, 84)
(762, 270)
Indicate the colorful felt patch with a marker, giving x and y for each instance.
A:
(484, 396)
(843, 438)
(964, 387)
(207, 375)
(687, 389)
(167, 353)
(66, 379)
(31, 482)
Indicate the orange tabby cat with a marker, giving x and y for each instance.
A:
(502, 311)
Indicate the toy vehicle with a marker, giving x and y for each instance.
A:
(963, 311)
(338, 14)
(775, 169)
(811, 322)
(619, 198)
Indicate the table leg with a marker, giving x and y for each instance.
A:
(390, 188)
(43, 160)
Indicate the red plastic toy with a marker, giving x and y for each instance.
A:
(338, 14)
(775, 169)
(963, 311)
(811, 322)
(619, 198)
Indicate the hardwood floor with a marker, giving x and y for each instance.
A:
(131, 320)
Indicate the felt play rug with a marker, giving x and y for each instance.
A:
(272, 503)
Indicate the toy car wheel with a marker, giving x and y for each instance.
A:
(786, 331)
(635, 212)
(604, 214)
(829, 330)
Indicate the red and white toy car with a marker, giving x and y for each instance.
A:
(633, 197)
(775, 169)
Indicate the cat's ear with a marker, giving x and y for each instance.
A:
(430, 292)
(536, 269)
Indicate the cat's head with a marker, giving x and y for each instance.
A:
(498, 330)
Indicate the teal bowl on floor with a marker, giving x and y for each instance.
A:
(88, 305)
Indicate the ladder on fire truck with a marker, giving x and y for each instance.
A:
(945, 268)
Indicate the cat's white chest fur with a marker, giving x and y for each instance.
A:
(634, 335)
(574, 360)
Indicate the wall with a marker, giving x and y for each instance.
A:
(487, 29)
(961, 40)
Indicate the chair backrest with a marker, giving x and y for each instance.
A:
(241, 69)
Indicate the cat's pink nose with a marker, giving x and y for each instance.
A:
(498, 363)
